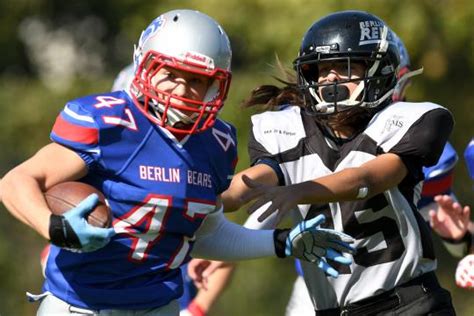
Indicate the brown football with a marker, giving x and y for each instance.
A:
(64, 196)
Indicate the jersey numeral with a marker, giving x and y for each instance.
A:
(107, 102)
(154, 213)
(115, 120)
(383, 226)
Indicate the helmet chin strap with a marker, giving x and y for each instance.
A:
(173, 115)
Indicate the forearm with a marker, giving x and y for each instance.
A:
(232, 196)
(220, 239)
(370, 179)
(23, 198)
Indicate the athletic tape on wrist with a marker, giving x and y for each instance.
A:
(363, 192)
(61, 233)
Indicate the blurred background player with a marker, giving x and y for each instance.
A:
(452, 222)
(162, 158)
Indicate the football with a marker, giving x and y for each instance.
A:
(64, 196)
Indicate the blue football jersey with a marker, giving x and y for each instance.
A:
(159, 190)
(439, 178)
(469, 157)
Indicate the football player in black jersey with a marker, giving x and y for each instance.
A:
(348, 151)
(341, 147)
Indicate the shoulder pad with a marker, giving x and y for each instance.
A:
(389, 125)
(280, 130)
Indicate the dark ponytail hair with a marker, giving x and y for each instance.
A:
(271, 96)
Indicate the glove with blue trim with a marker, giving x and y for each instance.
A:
(71, 231)
(309, 242)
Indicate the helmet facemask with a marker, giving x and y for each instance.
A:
(179, 114)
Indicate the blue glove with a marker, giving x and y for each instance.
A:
(71, 230)
(309, 242)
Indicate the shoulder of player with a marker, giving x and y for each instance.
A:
(224, 127)
(97, 105)
(411, 108)
(278, 131)
(404, 114)
(286, 121)
(282, 114)
(222, 135)
(389, 125)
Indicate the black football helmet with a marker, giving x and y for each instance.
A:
(350, 37)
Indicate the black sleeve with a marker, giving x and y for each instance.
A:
(259, 155)
(256, 150)
(423, 144)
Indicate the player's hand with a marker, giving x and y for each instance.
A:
(309, 242)
(451, 220)
(282, 198)
(71, 230)
(199, 270)
(465, 273)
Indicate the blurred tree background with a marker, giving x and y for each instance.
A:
(55, 50)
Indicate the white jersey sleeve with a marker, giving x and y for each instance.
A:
(220, 239)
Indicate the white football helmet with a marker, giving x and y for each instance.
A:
(189, 41)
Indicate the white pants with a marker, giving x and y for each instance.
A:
(53, 306)
(300, 303)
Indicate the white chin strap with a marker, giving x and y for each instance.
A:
(173, 115)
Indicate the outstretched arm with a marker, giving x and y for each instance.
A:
(370, 179)
(219, 239)
(232, 197)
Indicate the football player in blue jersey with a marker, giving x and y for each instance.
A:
(162, 158)
(193, 302)
(343, 148)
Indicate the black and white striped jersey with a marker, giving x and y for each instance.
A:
(393, 241)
